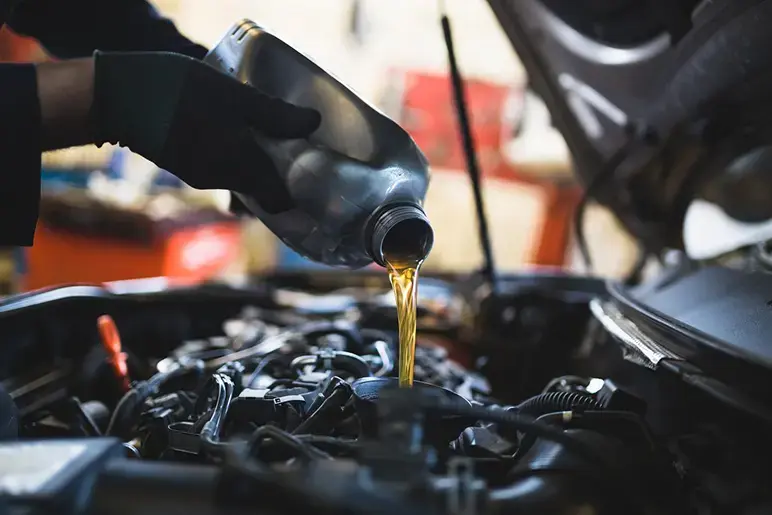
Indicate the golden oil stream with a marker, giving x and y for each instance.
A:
(404, 283)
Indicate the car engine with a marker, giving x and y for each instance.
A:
(280, 397)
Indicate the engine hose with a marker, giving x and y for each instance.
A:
(556, 401)
(303, 450)
(125, 412)
(539, 406)
(210, 433)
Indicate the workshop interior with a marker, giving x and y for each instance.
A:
(526, 271)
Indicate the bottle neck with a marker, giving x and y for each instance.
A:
(401, 234)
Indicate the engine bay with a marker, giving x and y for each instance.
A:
(281, 397)
(533, 393)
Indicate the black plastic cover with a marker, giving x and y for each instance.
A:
(717, 319)
(53, 476)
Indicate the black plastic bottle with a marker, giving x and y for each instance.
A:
(358, 182)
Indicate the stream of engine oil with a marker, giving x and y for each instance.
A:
(404, 282)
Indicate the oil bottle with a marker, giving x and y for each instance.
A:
(358, 182)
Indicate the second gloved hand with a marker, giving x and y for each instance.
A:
(195, 122)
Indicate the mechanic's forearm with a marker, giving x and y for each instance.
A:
(76, 28)
(66, 92)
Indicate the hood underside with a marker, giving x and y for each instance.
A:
(660, 102)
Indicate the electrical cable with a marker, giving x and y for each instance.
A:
(291, 382)
(331, 443)
(127, 403)
(387, 364)
(633, 419)
(605, 173)
(470, 154)
(524, 424)
(267, 360)
(267, 346)
(633, 277)
(304, 450)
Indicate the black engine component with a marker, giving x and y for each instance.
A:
(718, 320)
(291, 411)
(540, 394)
(439, 428)
(550, 480)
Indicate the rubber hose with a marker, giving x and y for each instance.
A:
(126, 411)
(557, 401)
(210, 432)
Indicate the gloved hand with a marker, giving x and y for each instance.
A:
(195, 122)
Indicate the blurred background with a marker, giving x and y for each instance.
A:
(109, 215)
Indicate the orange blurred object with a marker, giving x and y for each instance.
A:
(15, 48)
(556, 230)
(111, 341)
(189, 255)
(88, 244)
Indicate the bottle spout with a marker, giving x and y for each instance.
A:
(401, 236)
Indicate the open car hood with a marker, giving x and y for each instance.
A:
(659, 102)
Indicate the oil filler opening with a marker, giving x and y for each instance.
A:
(402, 235)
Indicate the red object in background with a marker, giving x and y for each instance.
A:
(429, 115)
(555, 232)
(202, 252)
(187, 255)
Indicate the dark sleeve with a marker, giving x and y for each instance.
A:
(6, 6)
(75, 28)
(19, 154)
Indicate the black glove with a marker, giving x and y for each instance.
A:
(195, 122)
